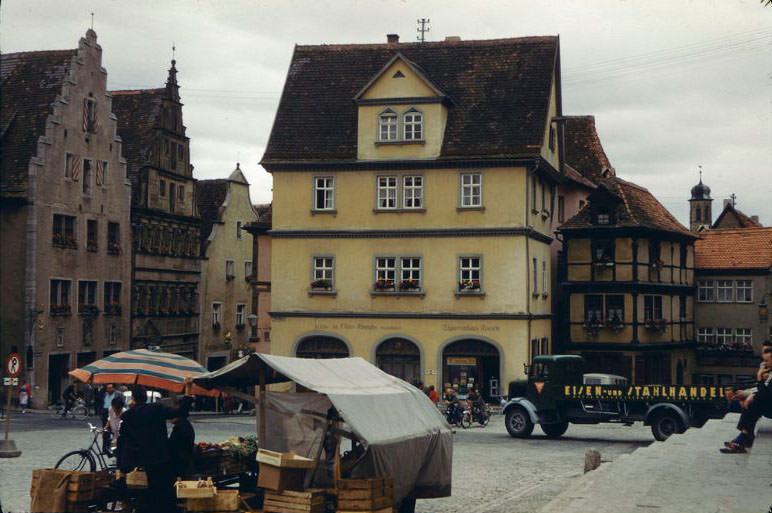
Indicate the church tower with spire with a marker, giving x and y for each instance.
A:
(700, 208)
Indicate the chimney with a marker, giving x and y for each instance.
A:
(392, 39)
(452, 38)
(755, 219)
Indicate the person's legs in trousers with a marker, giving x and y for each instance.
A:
(747, 426)
(160, 496)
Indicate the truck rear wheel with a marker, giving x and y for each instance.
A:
(518, 423)
(665, 424)
(554, 430)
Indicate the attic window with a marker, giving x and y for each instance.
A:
(398, 74)
(603, 215)
(387, 125)
(413, 124)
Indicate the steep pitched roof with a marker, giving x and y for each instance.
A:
(137, 112)
(730, 217)
(30, 82)
(264, 213)
(210, 195)
(583, 149)
(500, 90)
(740, 248)
(637, 207)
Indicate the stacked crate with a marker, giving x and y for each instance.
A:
(365, 495)
(81, 488)
(290, 501)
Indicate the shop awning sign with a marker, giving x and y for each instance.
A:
(459, 360)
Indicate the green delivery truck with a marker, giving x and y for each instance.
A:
(555, 395)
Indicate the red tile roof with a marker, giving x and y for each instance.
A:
(583, 149)
(730, 217)
(500, 91)
(29, 84)
(739, 248)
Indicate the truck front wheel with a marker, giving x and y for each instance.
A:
(665, 424)
(518, 423)
(554, 430)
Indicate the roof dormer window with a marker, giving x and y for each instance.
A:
(387, 125)
(413, 122)
(603, 215)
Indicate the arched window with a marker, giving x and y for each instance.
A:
(698, 214)
(387, 125)
(321, 347)
(413, 123)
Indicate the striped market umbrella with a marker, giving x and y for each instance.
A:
(165, 371)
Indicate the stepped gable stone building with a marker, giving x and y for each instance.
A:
(734, 294)
(228, 268)
(414, 198)
(629, 286)
(64, 216)
(166, 242)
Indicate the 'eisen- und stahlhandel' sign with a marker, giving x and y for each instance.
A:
(645, 392)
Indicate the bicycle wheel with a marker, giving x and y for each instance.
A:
(80, 413)
(77, 460)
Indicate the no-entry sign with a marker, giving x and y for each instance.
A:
(13, 365)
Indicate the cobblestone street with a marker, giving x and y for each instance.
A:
(491, 471)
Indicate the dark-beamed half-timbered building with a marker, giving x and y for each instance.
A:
(165, 225)
(628, 284)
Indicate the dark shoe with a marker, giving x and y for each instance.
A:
(734, 448)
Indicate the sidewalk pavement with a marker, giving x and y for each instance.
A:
(685, 474)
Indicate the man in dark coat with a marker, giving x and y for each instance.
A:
(181, 446)
(144, 443)
(754, 406)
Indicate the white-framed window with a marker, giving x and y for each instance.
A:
(216, 313)
(241, 310)
(723, 336)
(705, 291)
(387, 192)
(230, 269)
(324, 192)
(413, 122)
(705, 335)
(87, 295)
(385, 273)
(238, 229)
(469, 273)
(60, 296)
(412, 191)
(247, 268)
(323, 268)
(410, 273)
(744, 291)
(535, 276)
(544, 274)
(724, 291)
(87, 177)
(387, 125)
(743, 337)
(68, 160)
(471, 189)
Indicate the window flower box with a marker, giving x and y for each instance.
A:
(604, 261)
(321, 285)
(113, 248)
(615, 324)
(409, 285)
(229, 277)
(469, 286)
(64, 241)
(654, 324)
(381, 285)
(61, 310)
(88, 310)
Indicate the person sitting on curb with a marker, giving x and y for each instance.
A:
(755, 405)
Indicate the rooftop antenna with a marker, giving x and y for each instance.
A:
(92, 21)
(423, 28)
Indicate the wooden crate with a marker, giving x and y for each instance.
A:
(284, 459)
(365, 494)
(225, 500)
(192, 490)
(310, 501)
(80, 487)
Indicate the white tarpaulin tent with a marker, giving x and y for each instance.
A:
(403, 434)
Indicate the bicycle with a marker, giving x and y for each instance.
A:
(79, 411)
(88, 459)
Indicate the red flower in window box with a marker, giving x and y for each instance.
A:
(382, 284)
(469, 285)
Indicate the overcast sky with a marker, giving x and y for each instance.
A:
(672, 84)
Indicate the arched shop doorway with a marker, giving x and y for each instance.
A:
(399, 357)
(320, 347)
(472, 363)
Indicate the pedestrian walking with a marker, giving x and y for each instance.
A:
(24, 392)
(182, 443)
(433, 395)
(113, 426)
(105, 404)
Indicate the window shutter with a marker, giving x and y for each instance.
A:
(75, 167)
(85, 114)
(100, 177)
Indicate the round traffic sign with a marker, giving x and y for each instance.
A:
(13, 365)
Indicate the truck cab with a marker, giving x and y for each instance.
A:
(557, 392)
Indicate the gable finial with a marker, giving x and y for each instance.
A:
(174, 49)
(92, 20)
(700, 167)
(733, 197)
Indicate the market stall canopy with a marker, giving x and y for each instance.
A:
(166, 371)
(404, 434)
